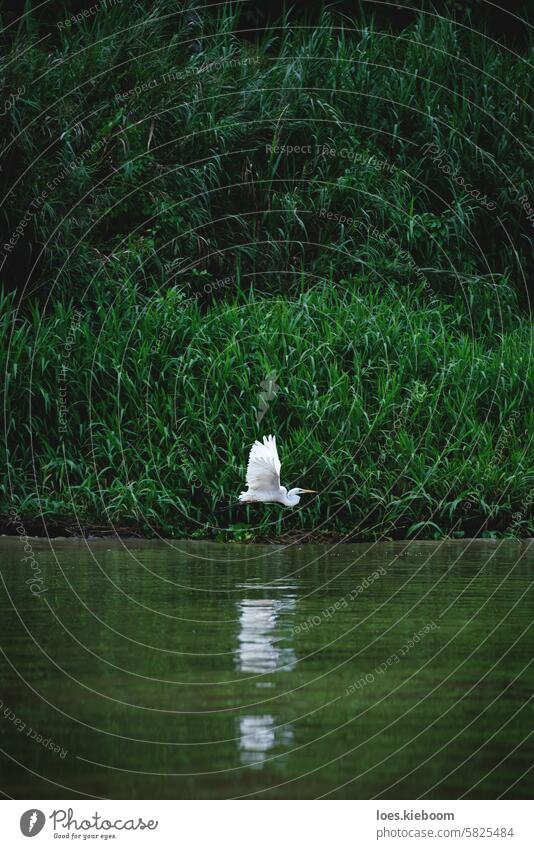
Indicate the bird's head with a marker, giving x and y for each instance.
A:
(294, 494)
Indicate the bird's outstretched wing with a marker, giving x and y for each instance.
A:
(263, 471)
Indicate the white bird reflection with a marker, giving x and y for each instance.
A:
(259, 649)
(258, 734)
(265, 625)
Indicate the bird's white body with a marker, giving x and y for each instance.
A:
(263, 477)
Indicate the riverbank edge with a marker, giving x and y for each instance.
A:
(70, 528)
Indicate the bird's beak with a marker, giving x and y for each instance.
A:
(308, 490)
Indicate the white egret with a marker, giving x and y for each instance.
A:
(263, 477)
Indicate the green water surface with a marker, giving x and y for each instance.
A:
(199, 670)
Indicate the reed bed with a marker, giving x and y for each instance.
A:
(196, 210)
(143, 409)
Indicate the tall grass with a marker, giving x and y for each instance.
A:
(155, 123)
(174, 254)
(386, 406)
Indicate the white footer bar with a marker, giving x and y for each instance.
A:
(260, 824)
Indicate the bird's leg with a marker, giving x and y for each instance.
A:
(227, 507)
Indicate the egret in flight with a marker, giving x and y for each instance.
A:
(263, 476)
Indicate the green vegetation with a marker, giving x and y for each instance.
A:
(386, 406)
(189, 211)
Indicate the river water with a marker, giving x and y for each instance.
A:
(139, 669)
